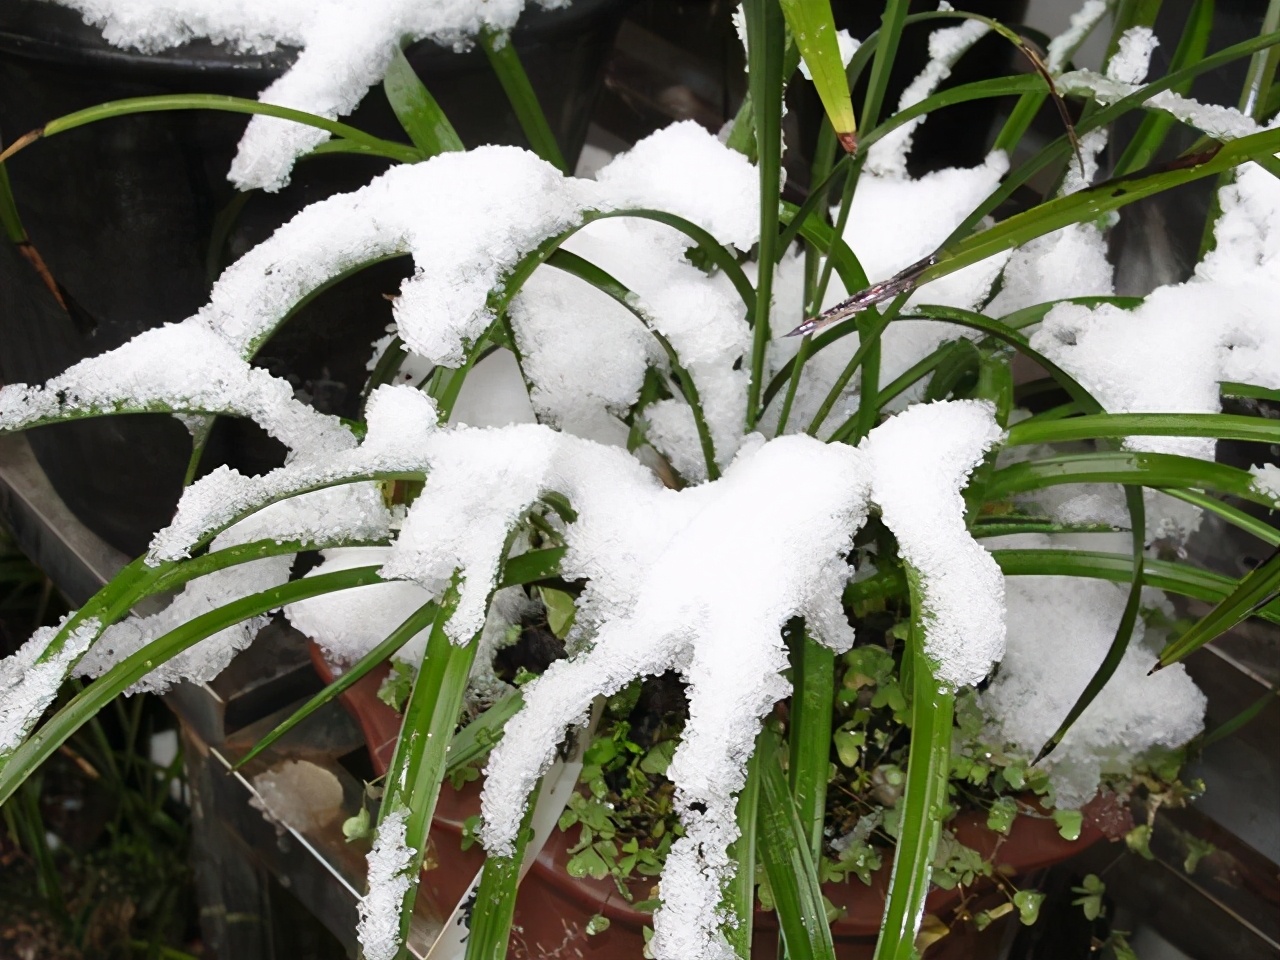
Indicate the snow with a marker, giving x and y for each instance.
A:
(1083, 21)
(887, 157)
(31, 677)
(1169, 354)
(350, 623)
(185, 367)
(1042, 676)
(921, 461)
(1219, 122)
(677, 581)
(1266, 479)
(390, 862)
(345, 49)
(399, 419)
(1132, 59)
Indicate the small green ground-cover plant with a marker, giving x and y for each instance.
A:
(687, 489)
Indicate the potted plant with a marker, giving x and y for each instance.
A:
(865, 546)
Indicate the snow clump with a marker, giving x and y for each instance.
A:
(345, 49)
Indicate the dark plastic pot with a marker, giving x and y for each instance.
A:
(553, 908)
(135, 218)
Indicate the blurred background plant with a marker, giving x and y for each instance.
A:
(93, 853)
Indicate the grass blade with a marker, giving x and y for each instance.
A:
(515, 82)
(86, 704)
(928, 765)
(1158, 470)
(1222, 426)
(784, 848)
(1155, 126)
(1180, 578)
(1255, 590)
(741, 898)
(417, 766)
(810, 736)
(1124, 631)
(416, 622)
(376, 146)
(417, 110)
(586, 271)
(766, 46)
(813, 28)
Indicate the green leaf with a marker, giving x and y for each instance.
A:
(208, 101)
(1124, 630)
(928, 764)
(86, 704)
(417, 111)
(506, 65)
(1179, 578)
(1070, 823)
(414, 624)
(560, 610)
(658, 758)
(813, 28)
(1145, 143)
(740, 898)
(495, 903)
(1139, 841)
(359, 827)
(765, 51)
(1222, 426)
(1028, 903)
(1255, 590)
(597, 924)
(784, 848)
(1002, 814)
(810, 734)
(585, 270)
(1157, 470)
(1091, 892)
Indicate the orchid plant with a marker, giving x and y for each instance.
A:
(728, 421)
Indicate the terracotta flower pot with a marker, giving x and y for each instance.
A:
(553, 908)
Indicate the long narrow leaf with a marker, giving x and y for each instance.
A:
(1156, 470)
(928, 765)
(1255, 591)
(414, 624)
(1124, 631)
(784, 849)
(813, 28)
(765, 53)
(85, 705)
(741, 898)
(604, 282)
(1222, 426)
(810, 736)
(417, 110)
(209, 101)
(1179, 578)
(515, 82)
(417, 765)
